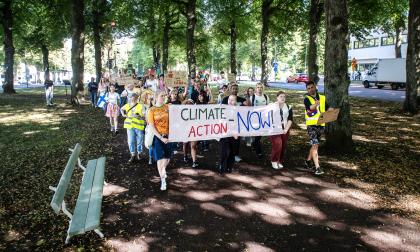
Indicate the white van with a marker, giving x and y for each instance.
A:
(387, 72)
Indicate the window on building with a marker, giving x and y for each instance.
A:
(366, 43)
(387, 41)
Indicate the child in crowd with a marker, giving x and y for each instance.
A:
(113, 110)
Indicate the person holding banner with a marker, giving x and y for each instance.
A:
(315, 104)
(134, 123)
(223, 93)
(258, 99)
(158, 119)
(240, 101)
(112, 109)
(190, 146)
(279, 142)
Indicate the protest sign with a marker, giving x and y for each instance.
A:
(204, 122)
(176, 78)
(231, 77)
(124, 80)
(328, 116)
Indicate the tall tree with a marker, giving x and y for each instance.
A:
(99, 11)
(315, 14)
(412, 101)
(188, 9)
(7, 23)
(171, 18)
(77, 48)
(232, 20)
(338, 133)
(266, 12)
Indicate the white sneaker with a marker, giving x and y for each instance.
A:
(238, 159)
(163, 185)
(274, 165)
(280, 166)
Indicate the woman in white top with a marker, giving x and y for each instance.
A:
(152, 83)
(113, 110)
(279, 142)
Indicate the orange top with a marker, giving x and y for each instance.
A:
(159, 117)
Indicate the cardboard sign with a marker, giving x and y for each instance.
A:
(328, 116)
(125, 80)
(204, 122)
(231, 77)
(176, 78)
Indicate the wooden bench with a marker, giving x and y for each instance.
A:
(87, 212)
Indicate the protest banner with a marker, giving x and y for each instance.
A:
(124, 80)
(328, 116)
(176, 78)
(204, 122)
(231, 77)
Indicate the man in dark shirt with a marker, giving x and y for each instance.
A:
(93, 89)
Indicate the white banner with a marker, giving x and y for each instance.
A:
(204, 122)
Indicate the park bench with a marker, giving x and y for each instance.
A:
(87, 211)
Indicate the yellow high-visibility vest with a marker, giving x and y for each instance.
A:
(312, 120)
(134, 122)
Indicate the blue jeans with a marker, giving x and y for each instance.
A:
(93, 98)
(135, 140)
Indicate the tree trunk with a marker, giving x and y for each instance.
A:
(253, 70)
(77, 49)
(265, 12)
(338, 133)
(9, 50)
(165, 42)
(191, 22)
(398, 30)
(45, 54)
(315, 14)
(412, 102)
(233, 37)
(96, 26)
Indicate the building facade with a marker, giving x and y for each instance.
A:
(374, 47)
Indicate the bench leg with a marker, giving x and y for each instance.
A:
(99, 233)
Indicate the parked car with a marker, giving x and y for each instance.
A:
(299, 77)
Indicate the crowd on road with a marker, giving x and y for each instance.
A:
(145, 109)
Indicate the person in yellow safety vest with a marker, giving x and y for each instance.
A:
(134, 123)
(315, 104)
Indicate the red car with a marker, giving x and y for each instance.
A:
(299, 77)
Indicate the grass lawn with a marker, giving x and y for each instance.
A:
(34, 142)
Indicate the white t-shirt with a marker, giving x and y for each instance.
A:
(152, 84)
(113, 98)
(221, 82)
(260, 100)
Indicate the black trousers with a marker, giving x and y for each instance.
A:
(257, 145)
(236, 144)
(227, 155)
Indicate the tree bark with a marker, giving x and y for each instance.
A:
(165, 42)
(412, 102)
(9, 50)
(338, 133)
(156, 55)
(233, 38)
(191, 22)
(265, 12)
(77, 49)
(97, 15)
(45, 54)
(316, 10)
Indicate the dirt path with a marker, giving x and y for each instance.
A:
(255, 208)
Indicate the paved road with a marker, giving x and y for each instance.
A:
(385, 94)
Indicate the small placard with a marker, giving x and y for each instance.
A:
(328, 116)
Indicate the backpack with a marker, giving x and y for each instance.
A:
(253, 100)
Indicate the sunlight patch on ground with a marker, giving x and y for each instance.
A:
(31, 132)
(139, 244)
(110, 189)
(351, 197)
(410, 203)
(343, 165)
(248, 180)
(193, 230)
(364, 139)
(218, 209)
(203, 195)
(359, 184)
(251, 246)
(12, 235)
(268, 212)
(40, 117)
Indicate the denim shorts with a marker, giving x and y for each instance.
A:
(315, 132)
(161, 150)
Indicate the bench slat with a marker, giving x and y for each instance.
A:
(78, 221)
(94, 212)
(64, 182)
